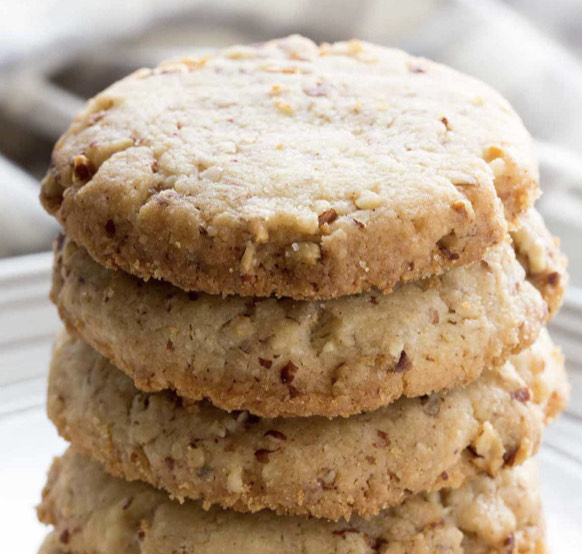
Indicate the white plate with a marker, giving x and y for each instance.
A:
(28, 441)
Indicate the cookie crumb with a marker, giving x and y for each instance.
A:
(329, 216)
(65, 536)
(522, 395)
(275, 434)
(262, 455)
(288, 372)
(83, 169)
(170, 463)
(404, 363)
(110, 228)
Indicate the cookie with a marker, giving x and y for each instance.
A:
(300, 358)
(539, 253)
(310, 466)
(94, 512)
(292, 169)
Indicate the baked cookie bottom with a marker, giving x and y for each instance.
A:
(95, 513)
(329, 468)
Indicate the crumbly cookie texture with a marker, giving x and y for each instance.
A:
(539, 253)
(314, 466)
(292, 169)
(95, 513)
(300, 358)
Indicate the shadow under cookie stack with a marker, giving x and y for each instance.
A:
(304, 290)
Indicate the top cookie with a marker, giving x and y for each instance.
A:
(292, 169)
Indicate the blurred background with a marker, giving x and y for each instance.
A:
(56, 53)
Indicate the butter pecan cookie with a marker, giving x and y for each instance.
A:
(329, 468)
(283, 357)
(292, 169)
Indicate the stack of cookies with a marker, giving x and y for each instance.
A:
(304, 290)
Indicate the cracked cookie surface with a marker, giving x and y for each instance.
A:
(300, 358)
(95, 513)
(292, 169)
(314, 466)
